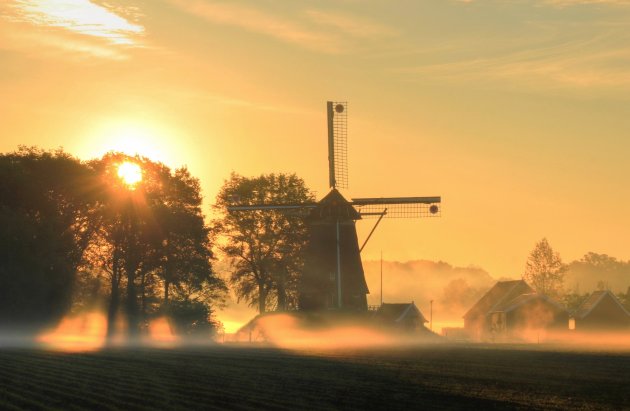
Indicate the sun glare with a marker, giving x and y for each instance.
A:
(130, 173)
(155, 141)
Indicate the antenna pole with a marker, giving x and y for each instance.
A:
(431, 317)
(381, 278)
(338, 267)
(331, 145)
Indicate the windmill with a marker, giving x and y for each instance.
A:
(333, 276)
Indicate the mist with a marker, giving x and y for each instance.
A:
(453, 289)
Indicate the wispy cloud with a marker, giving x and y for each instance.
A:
(52, 43)
(316, 30)
(351, 25)
(542, 52)
(561, 66)
(79, 16)
(568, 3)
(76, 28)
(261, 22)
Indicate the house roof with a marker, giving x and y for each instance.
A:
(593, 301)
(509, 305)
(400, 312)
(502, 291)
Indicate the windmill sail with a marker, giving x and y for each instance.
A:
(337, 144)
(398, 207)
(270, 207)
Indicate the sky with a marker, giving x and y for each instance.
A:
(516, 112)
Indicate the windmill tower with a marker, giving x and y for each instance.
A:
(333, 276)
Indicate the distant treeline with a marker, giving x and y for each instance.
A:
(596, 272)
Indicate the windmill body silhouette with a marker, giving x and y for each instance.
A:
(333, 276)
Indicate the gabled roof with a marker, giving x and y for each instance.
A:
(509, 305)
(502, 291)
(593, 301)
(334, 204)
(400, 312)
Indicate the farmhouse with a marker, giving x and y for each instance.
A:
(477, 322)
(406, 316)
(601, 311)
(527, 313)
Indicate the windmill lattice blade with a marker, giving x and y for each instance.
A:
(338, 143)
(398, 207)
(274, 207)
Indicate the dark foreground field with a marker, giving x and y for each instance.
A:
(432, 377)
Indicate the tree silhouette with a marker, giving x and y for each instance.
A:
(184, 250)
(46, 215)
(74, 232)
(150, 238)
(544, 269)
(265, 246)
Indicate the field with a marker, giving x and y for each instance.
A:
(241, 377)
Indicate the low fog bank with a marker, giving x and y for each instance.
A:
(328, 331)
(88, 331)
(334, 332)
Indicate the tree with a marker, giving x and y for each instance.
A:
(598, 271)
(544, 269)
(573, 300)
(266, 247)
(150, 237)
(46, 215)
(74, 232)
(189, 284)
(120, 247)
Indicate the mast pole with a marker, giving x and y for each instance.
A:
(431, 317)
(332, 179)
(338, 267)
(381, 278)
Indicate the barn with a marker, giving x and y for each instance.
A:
(519, 317)
(601, 311)
(404, 316)
(477, 321)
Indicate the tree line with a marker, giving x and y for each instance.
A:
(77, 237)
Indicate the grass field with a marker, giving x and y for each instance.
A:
(241, 377)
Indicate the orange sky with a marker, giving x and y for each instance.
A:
(516, 113)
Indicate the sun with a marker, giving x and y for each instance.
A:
(130, 173)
